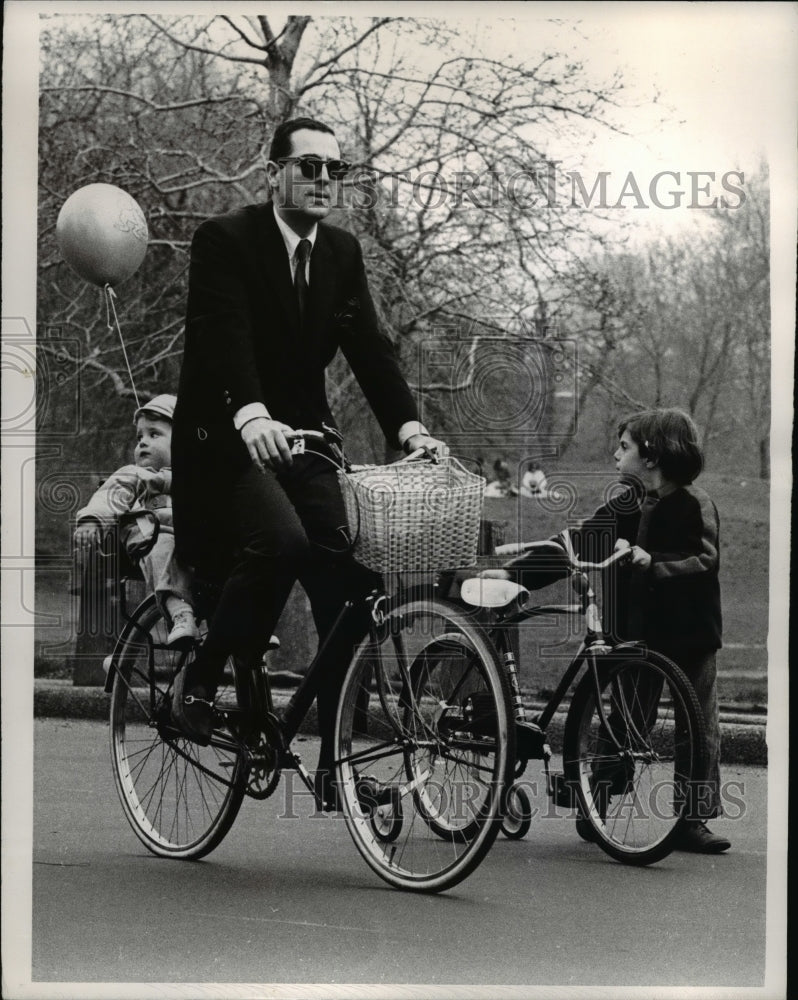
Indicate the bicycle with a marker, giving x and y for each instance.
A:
(633, 746)
(424, 750)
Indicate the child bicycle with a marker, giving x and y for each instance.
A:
(425, 747)
(633, 745)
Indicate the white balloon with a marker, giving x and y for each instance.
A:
(102, 234)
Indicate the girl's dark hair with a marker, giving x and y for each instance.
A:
(668, 437)
(281, 140)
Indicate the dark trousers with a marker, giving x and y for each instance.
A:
(285, 527)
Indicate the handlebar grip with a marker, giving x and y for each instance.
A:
(511, 549)
(306, 435)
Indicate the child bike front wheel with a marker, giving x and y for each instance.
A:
(634, 753)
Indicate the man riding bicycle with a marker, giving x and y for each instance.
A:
(274, 293)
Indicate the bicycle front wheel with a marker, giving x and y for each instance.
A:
(425, 744)
(179, 798)
(635, 753)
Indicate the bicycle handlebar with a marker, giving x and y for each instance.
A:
(334, 440)
(564, 538)
(327, 436)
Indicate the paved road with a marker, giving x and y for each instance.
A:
(290, 901)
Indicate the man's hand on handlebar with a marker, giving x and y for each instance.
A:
(267, 442)
(427, 443)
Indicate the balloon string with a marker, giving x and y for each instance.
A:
(110, 295)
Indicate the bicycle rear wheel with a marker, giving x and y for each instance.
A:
(635, 753)
(425, 734)
(180, 798)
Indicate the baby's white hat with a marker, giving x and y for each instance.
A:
(160, 406)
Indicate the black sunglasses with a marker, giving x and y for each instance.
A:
(312, 166)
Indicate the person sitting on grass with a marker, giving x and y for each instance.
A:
(668, 594)
(146, 485)
(533, 481)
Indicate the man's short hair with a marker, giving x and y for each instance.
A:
(281, 140)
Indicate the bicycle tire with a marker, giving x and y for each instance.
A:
(180, 798)
(434, 658)
(517, 817)
(634, 773)
(428, 741)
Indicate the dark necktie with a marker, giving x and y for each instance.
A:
(301, 282)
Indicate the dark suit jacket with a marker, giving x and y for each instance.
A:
(243, 345)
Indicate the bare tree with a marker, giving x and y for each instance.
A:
(451, 193)
(686, 322)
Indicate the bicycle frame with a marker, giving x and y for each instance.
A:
(531, 733)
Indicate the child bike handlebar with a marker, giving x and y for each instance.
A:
(564, 539)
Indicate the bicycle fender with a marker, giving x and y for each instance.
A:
(130, 625)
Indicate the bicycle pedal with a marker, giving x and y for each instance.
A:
(562, 792)
(191, 699)
(530, 742)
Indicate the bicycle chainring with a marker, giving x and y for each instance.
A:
(264, 756)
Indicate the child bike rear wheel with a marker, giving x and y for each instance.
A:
(432, 742)
(517, 817)
(180, 798)
(635, 753)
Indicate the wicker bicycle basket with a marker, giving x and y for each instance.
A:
(413, 516)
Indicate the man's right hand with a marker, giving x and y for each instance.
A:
(266, 442)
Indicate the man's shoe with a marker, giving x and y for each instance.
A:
(192, 709)
(184, 628)
(585, 830)
(697, 838)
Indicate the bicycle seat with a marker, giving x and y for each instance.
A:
(481, 592)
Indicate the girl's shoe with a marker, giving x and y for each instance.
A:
(697, 838)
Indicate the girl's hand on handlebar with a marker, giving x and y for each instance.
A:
(638, 557)
(267, 442)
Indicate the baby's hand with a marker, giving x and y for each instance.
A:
(87, 535)
(154, 482)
